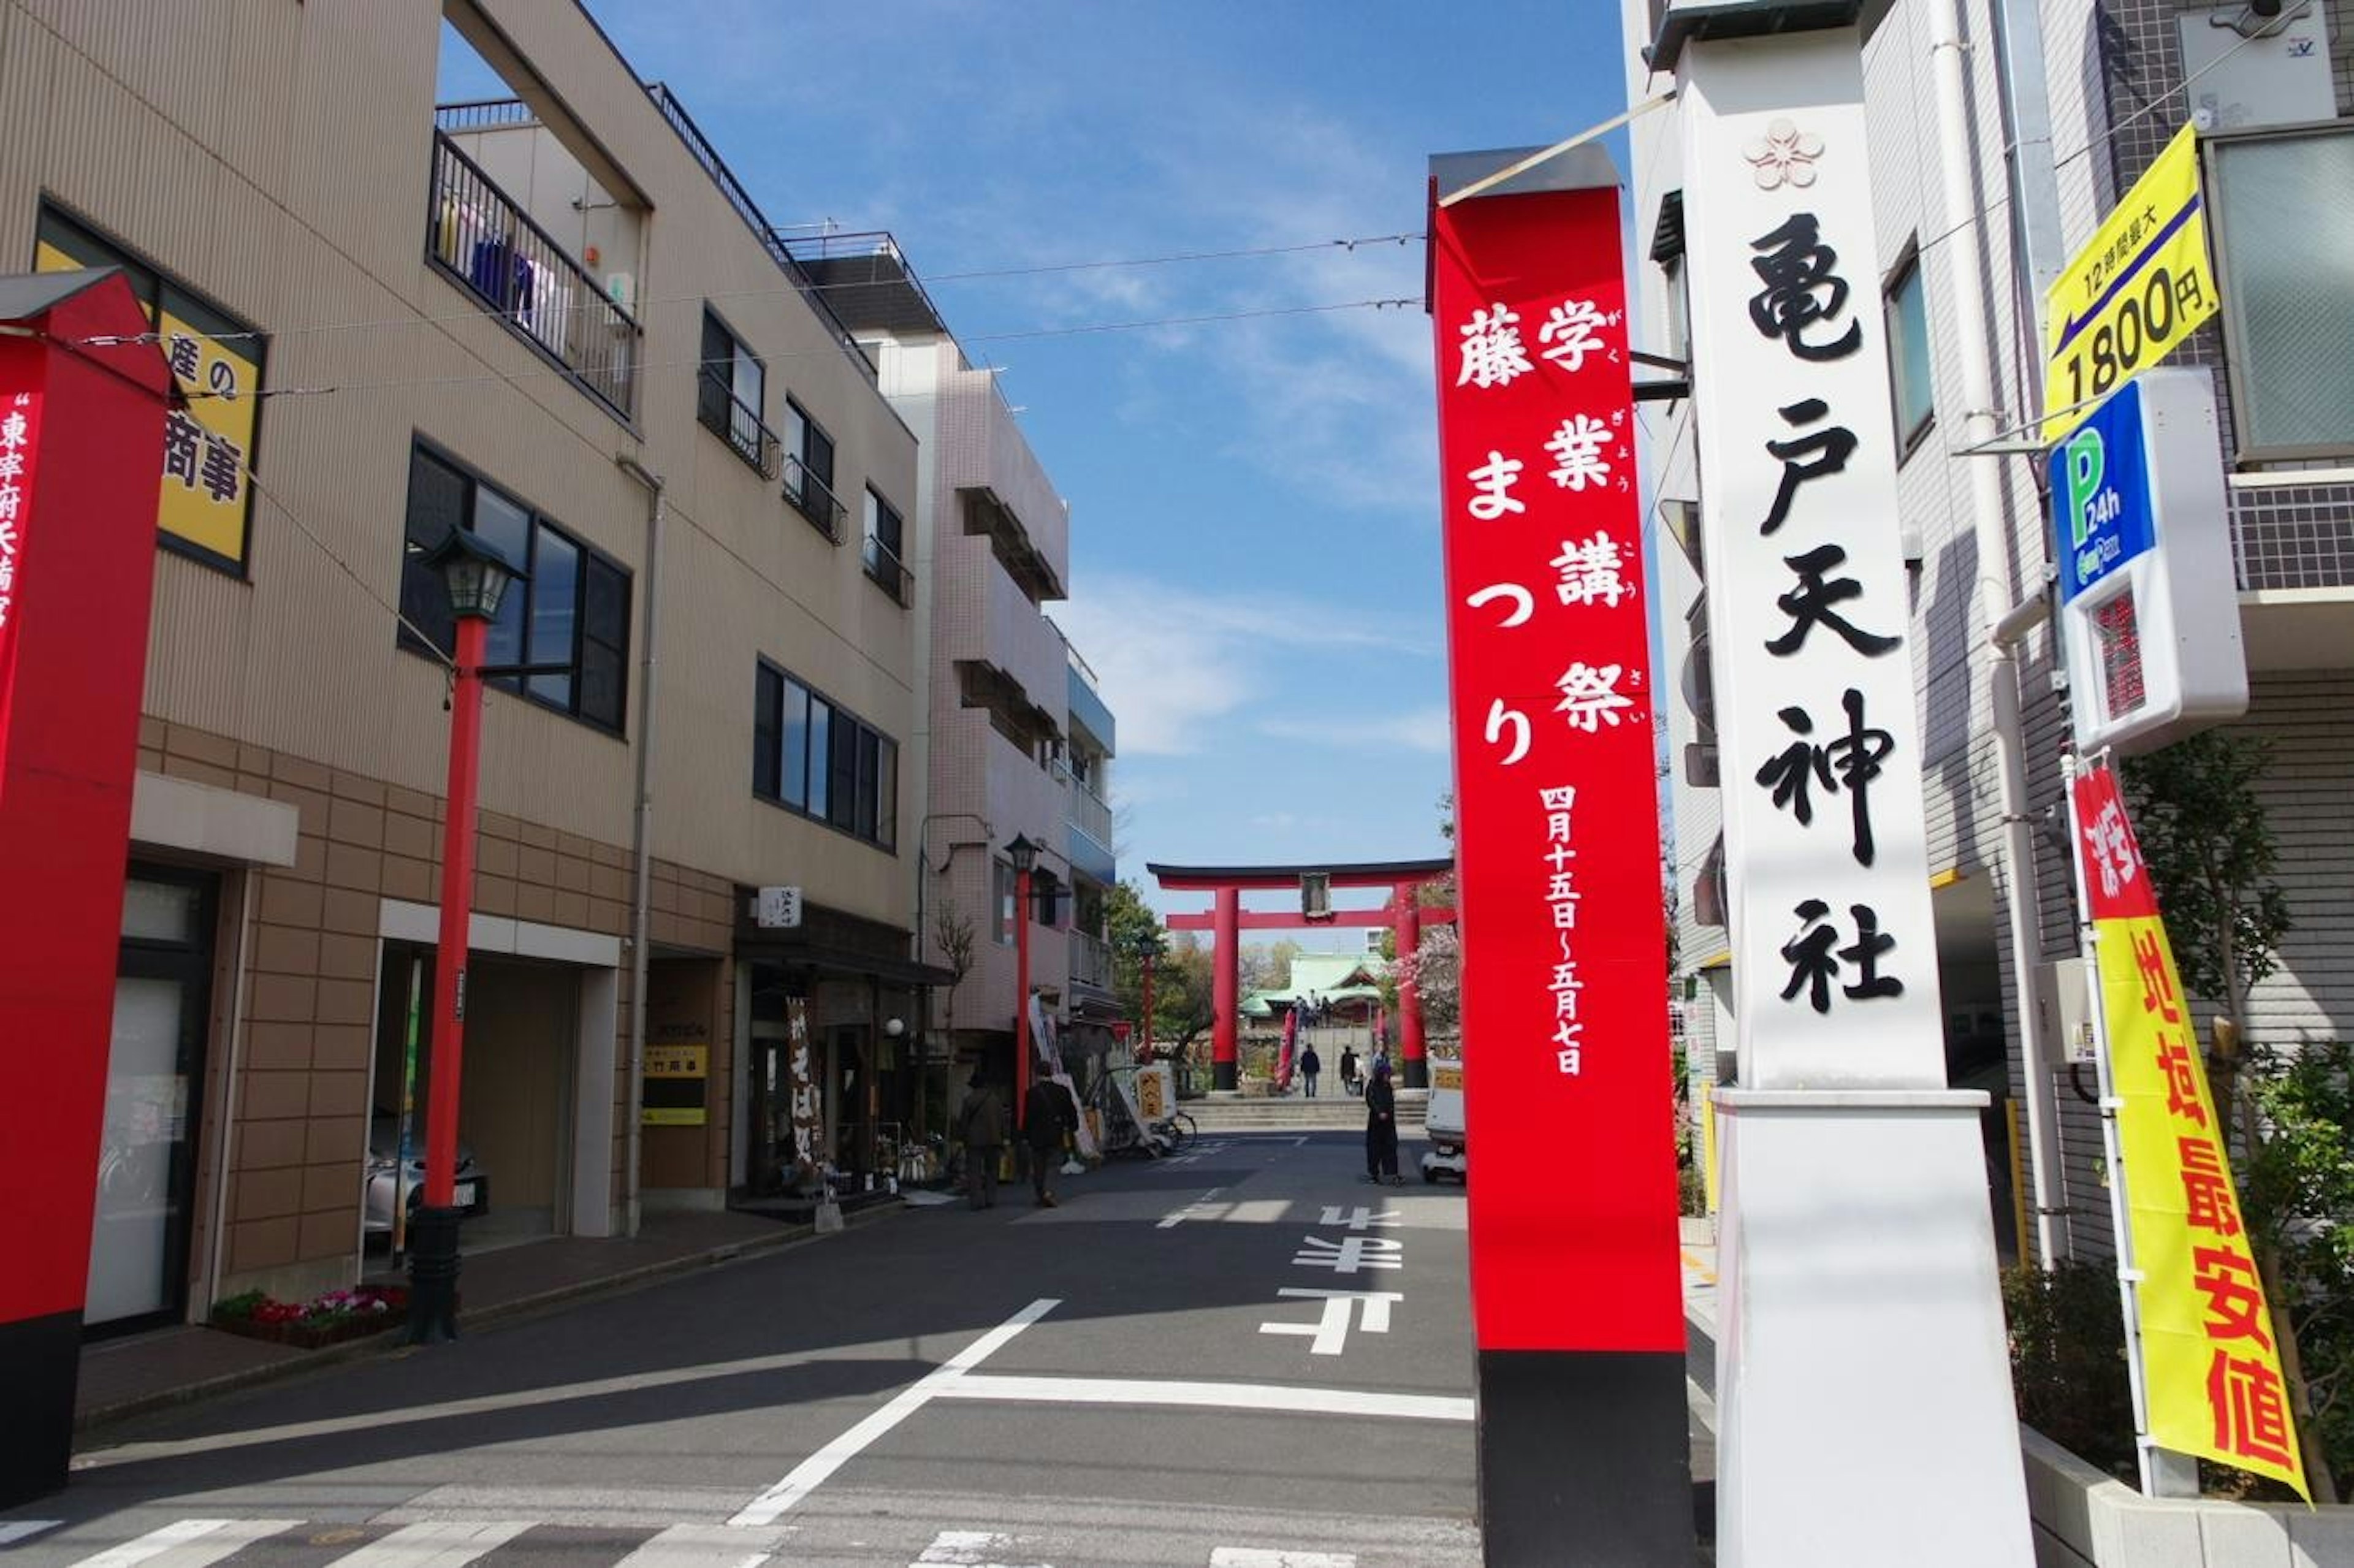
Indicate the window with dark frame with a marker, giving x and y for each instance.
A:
(819, 761)
(809, 471)
(1911, 386)
(886, 535)
(731, 392)
(572, 610)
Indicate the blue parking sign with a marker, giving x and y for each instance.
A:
(2100, 493)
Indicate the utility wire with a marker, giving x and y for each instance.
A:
(598, 301)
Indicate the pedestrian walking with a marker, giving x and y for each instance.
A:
(981, 1122)
(1046, 1120)
(1381, 1127)
(1348, 1069)
(1310, 1065)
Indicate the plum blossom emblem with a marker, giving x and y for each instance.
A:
(1785, 157)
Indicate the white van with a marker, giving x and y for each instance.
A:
(1442, 1121)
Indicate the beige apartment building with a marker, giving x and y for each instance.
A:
(557, 320)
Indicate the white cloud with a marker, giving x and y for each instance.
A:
(1174, 665)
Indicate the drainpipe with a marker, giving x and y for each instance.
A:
(642, 847)
(1981, 425)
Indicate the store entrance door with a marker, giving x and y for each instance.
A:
(154, 1096)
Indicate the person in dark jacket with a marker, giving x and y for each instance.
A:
(1046, 1119)
(1381, 1127)
(1311, 1067)
(1348, 1069)
(981, 1121)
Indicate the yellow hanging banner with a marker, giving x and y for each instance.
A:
(2210, 1369)
(2136, 288)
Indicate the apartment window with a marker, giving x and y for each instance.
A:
(206, 508)
(731, 388)
(2280, 228)
(886, 539)
(572, 610)
(1907, 312)
(809, 471)
(811, 756)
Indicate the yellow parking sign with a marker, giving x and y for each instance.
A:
(2127, 298)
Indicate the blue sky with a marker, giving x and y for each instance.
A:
(1255, 548)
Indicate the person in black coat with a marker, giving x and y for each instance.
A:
(1046, 1117)
(1381, 1127)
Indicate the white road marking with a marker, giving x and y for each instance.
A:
(1359, 1218)
(811, 1473)
(705, 1546)
(1330, 1331)
(970, 1548)
(1206, 1397)
(189, 1543)
(15, 1530)
(1349, 1254)
(1702, 1404)
(1255, 1557)
(1182, 1215)
(442, 1544)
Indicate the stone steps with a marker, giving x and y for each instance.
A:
(1297, 1113)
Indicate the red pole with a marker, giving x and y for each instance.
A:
(456, 910)
(1021, 995)
(1148, 1004)
(433, 1265)
(1413, 1072)
(1225, 994)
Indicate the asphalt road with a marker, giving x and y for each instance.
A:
(1246, 1357)
(1145, 1375)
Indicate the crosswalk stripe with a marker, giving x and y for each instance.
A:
(440, 1544)
(1254, 1557)
(705, 1546)
(15, 1530)
(968, 1549)
(189, 1542)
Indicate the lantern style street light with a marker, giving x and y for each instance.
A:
(477, 578)
(1024, 856)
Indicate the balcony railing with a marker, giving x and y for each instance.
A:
(883, 564)
(489, 245)
(483, 114)
(815, 498)
(726, 415)
(1090, 813)
(1091, 961)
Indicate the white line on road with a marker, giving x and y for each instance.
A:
(970, 1549)
(442, 1544)
(16, 1529)
(1256, 1557)
(704, 1546)
(189, 1543)
(811, 1473)
(1187, 1212)
(1206, 1395)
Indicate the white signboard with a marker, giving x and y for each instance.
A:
(778, 909)
(1809, 629)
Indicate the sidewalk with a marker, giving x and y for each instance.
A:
(123, 1378)
(1698, 1246)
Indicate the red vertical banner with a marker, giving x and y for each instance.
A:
(20, 440)
(1568, 1099)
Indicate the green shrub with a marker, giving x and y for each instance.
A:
(2068, 1360)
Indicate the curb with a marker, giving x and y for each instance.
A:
(390, 1340)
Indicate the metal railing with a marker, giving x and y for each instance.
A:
(1090, 813)
(889, 572)
(477, 235)
(699, 146)
(815, 498)
(726, 415)
(482, 115)
(1091, 961)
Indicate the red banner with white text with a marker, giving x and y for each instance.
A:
(20, 441)
(1568, 1097)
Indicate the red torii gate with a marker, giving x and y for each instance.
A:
(1227, 919)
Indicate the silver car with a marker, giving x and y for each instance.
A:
(472, 1194)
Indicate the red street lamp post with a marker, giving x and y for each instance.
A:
(477, 578)
(1024, 856)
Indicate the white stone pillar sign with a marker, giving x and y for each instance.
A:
(1863, 1375)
